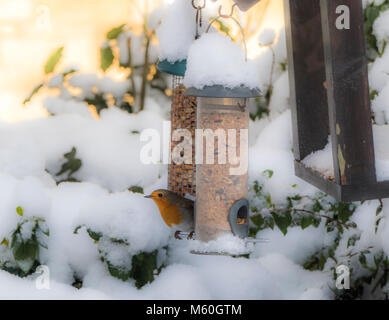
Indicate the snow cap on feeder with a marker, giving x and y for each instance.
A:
(219, 68)
(178, 30)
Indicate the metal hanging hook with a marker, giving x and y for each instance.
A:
(199, 16)
(224, 15)
(199, 7)
(230, 16)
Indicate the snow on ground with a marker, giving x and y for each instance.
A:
(110, 165)
(109, 149)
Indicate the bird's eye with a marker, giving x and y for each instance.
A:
(160, 195)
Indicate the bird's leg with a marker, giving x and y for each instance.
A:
(190, 236)
(177, 235)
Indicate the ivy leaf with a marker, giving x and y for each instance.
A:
(4, 242)
(115, 32)
(258, 220)
(25, 253)
(143, 266)
(362, 260)
(53, 60)
(306, 221)
(283, 221)
(269, 222)
(118, 272)
(19, 211)
(33, 92)
(269, 173)
(94, 235)
(76, 229)
(106, 56)
(379, 209)
(352, 240)
(223, 27)
(72, 164)
(136, 189)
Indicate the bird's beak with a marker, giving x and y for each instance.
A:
(149, 196)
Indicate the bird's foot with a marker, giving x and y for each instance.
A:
(177, 235)
(190, 236)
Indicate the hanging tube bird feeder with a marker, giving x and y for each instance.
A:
(222, 206)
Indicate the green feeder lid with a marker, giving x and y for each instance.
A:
(218, 91)
(177, 68)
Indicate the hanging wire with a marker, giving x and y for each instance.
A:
(230, 16)
(199, 15)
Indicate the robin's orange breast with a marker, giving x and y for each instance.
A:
(170, 213)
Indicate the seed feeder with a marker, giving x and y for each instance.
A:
(330, 96)
(182, 172)
(222, 206)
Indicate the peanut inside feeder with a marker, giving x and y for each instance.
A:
(222, 161)
(182, 170)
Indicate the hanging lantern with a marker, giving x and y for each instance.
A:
(222, 206)
(330, 96)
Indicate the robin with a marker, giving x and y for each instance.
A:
(176, 211)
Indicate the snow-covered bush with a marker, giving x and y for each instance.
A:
(20, 252)
(129, 242)
(82, 179)
(123, 49)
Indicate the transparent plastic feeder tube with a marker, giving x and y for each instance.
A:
(182, 169)
(223, 183)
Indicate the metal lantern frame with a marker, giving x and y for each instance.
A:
(329, 87)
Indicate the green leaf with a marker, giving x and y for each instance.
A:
(269, 173)
(269, 220)
(107, 57)
(353, 239)
(25, 253)
(143, 266)
(33, 92)
(115, 32)
(379, 209)
(94, 235)
(4, 242)
(306, 221)
(19, 211)
(72, 165)
(118, 272)
(258, 220)
(362, 260)
(223, 27)
(53, 60)
(136, 189)
(283, 220)
(76, 229)
(317, 207)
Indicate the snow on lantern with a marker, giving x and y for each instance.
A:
(222, 79)
(178, 30)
